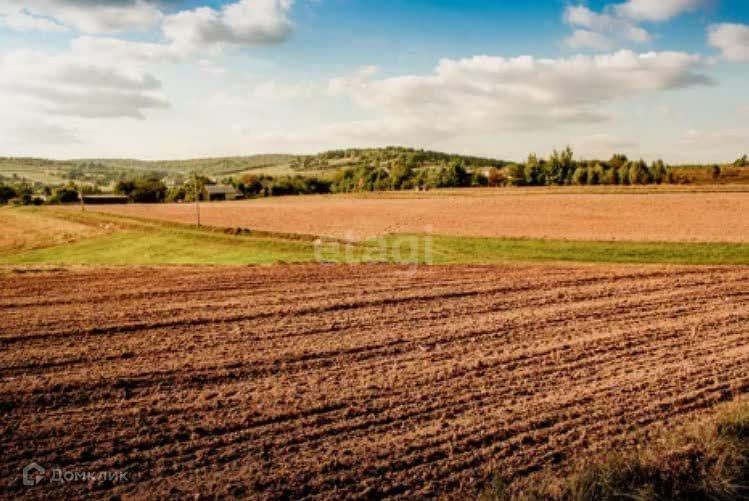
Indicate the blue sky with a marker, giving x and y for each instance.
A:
(169, 79)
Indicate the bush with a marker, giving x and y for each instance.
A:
(496, 177)
(65, 195)
(250, 185)
(6, 193)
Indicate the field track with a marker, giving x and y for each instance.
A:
(573, 215)
(367, 381)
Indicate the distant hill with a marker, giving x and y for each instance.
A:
(104, 171)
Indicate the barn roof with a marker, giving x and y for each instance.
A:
(220, 189)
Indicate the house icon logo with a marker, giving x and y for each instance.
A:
(33, 474)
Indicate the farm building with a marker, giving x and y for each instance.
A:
(221, 192)
(105, 199)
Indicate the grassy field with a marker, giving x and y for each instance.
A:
(54, 236)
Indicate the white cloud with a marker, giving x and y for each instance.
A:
(20, 21)
(494, 93)
(90, 16)
(244, 23)
(602, 31)
(586, 39)
(66, 85)
(199, 34)
(617, 25)
(731, 39)
(114, 49)
(656, 10)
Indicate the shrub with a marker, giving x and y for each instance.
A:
(65, 195)
(496, 177)
(6, 193)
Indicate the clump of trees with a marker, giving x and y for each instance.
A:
(742, 162)
(403, 176)
(252, 185)
(189, 189)
(65, 195)
(20, 193)
(149, 189)
(562, 169)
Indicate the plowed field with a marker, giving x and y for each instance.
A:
(337, 382)
(635, 216)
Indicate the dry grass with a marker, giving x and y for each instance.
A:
(704, 460)
(32, 229)
(633, 215)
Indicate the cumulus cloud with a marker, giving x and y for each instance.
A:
(657, 10)
(199, 33)
(618, 25)
(496, 93)
(88, 16)
(241, 23)
(246, 22)
(65, 85)
(601, 31)
(732, 40)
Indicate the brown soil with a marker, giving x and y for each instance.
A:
(368, 381)
(574, 215)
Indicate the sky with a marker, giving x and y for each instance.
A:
(171, 79)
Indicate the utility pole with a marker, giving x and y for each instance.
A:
(197, 200)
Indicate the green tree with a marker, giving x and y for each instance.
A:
(580, 176)
(618, 161)
(659, 172)
(517, 174)
(142, 190)
(595, 174)
(535, 174)
(639, 173)
(65, 195)
(623, 174)
(401, 173)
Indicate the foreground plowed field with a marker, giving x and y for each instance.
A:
(336, 382)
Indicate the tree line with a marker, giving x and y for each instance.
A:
(390, 169)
